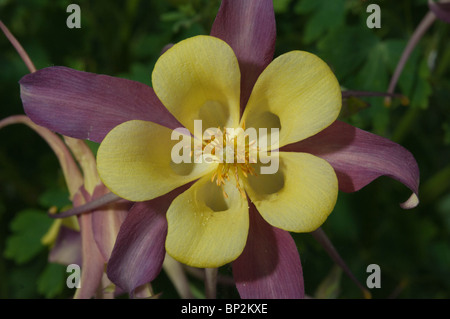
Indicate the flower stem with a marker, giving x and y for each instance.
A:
(176, 274)
(23, 54)
(96, 203)
(200, 274)
(211, 282)
(326, 243)
(426, 22)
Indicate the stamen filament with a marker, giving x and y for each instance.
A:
(241, 160)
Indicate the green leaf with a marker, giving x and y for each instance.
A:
(52, 280)
(323, 15)
(374, 76)
(55, 197)
(281, 6)
(21, 280)
(28, 227)
(345, 49)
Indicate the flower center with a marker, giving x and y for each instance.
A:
(235, 150)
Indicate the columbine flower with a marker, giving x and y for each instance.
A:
(224, 85)
(199, 79)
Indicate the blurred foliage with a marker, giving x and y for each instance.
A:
(124, 38)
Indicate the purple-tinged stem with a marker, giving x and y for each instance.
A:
(23, 54)
(323, 240)
(96, 203)
(426, 22)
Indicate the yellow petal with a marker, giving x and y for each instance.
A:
(134, 161)
(206, 229)
(299, 196)
(199, 79)
(298, 94)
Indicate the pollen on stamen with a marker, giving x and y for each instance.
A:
(221, 147)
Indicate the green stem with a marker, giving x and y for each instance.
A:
(436, 185)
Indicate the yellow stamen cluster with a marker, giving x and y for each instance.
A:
(219, 146)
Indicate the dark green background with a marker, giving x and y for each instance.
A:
(124, 38)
